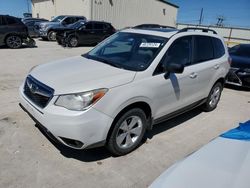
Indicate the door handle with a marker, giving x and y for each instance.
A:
(193, 75)
(216, 66)
(92, 32)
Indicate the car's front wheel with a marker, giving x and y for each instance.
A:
(213, 97)
(52, 36)
(14, 41)
(73, 41)
(128, 132)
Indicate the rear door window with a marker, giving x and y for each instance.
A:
(203, 49)
(98, 26)
(11, 20)
(89, 26)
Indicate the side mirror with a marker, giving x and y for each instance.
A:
(173, 68)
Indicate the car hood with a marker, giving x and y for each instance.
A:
(240, 62)
(50, 23)
(79, 74)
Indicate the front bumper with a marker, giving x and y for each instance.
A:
(238, 77)
(74, 129)
(42, 33)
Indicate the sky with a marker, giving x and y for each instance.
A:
(235, 12)
(14, 7)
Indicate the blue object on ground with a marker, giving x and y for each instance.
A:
(240, 133)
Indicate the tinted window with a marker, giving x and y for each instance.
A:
(106, 26)
(98, 26)
(11, 20)
(240, 50)
(203, 49)
(57, 19)
(128, 50)
(69, 20)
(179, 52)
(89, 26)
(219, 49)
(32, 23)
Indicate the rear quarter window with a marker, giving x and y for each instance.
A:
(219, 49)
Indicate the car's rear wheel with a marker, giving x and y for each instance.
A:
(14, 41)
(52, 36)
(128, 132)
(213, 97)
(73, 41)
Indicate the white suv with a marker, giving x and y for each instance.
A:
(131, 81)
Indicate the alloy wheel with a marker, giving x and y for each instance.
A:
(215, 96)
(129, 132)
(14, 42)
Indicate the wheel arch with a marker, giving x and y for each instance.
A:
(139, 104)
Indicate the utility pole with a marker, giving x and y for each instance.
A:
(28, 6)
(201, 15)
(220, 21)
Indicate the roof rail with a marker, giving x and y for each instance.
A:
(196, 28)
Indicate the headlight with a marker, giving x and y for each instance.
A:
(44, 27)
(80, 101)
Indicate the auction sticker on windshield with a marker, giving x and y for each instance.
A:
(150, 45)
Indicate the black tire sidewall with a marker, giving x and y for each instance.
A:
(70, 38)
(12, 46)
(49, 37)
(112, 145)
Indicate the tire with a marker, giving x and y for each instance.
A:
(128, 132)
(213, 98)
(14, 41)
(73, 41)
(52, 36)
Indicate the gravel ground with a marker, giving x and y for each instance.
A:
(29, 159)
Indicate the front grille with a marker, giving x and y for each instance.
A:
(37, 92)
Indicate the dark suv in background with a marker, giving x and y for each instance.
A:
(87, 33)
(46, 30)
(13, 32)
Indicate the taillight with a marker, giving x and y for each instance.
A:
(229, 60)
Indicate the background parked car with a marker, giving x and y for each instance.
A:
(13, 32)
(46, 29)
(239, 73)
(91, 32)
(72, 27)
(30, 23)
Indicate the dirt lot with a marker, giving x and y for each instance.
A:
(29, 159)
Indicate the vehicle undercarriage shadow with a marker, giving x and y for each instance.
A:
(237, 88)
(88, 155)
(171, 123)
(97, 154)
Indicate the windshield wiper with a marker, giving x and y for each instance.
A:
(103, 60)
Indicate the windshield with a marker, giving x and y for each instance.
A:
(77, 24)
(240, 50)
(129, 51)
(57, 19)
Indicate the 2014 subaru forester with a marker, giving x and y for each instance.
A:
(134, 79)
